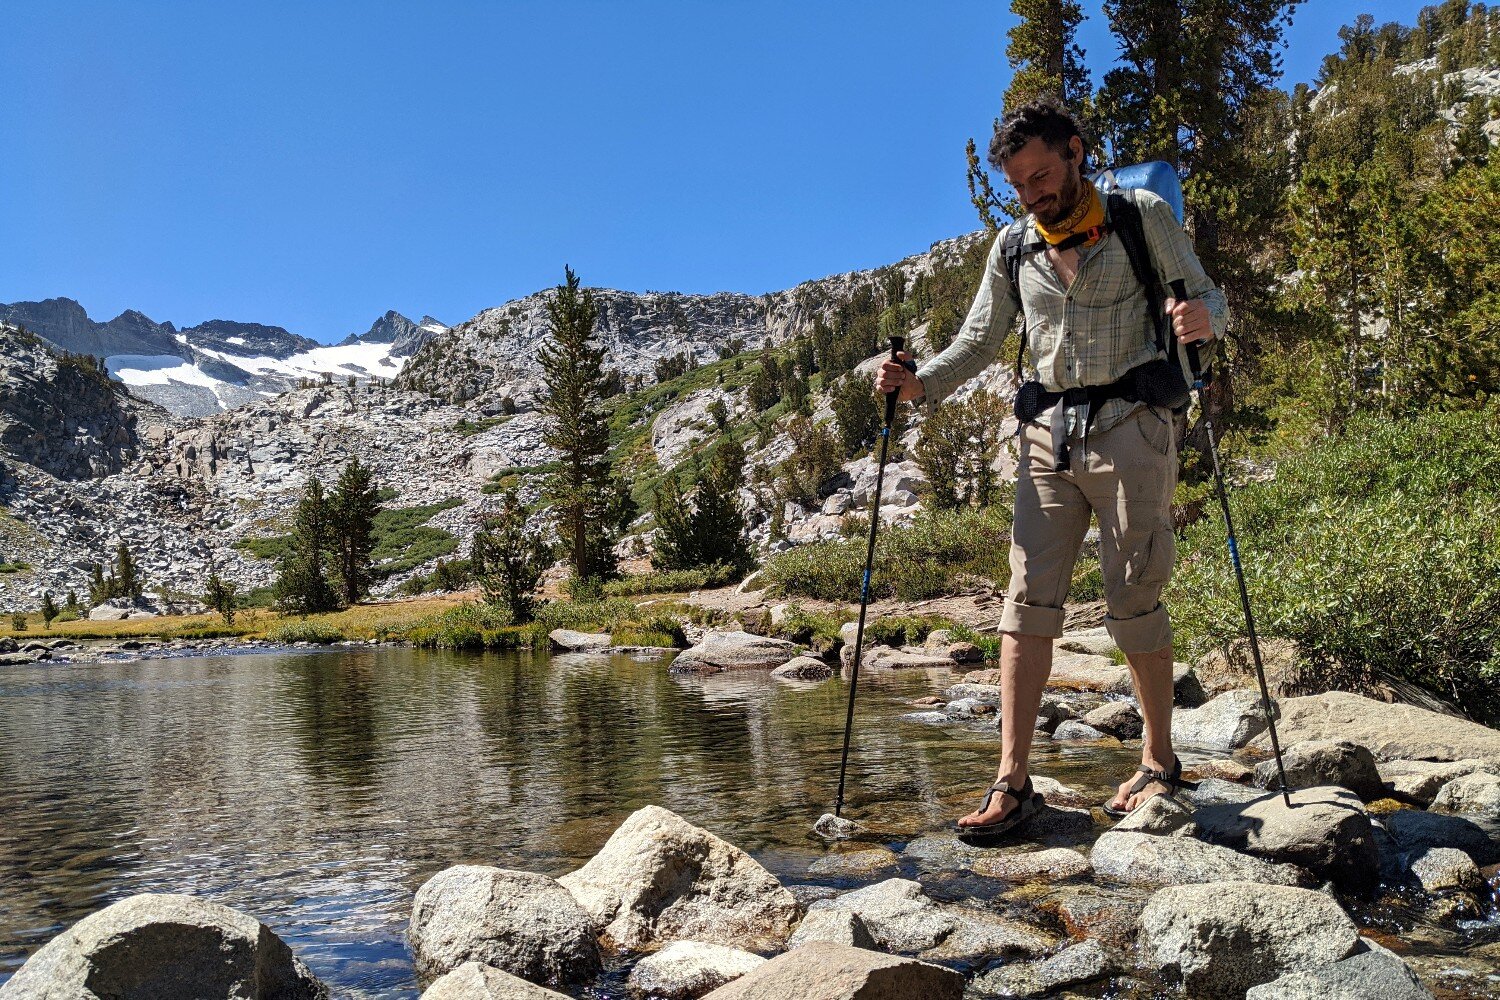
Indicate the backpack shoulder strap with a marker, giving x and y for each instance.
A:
(1014, 248)
(1126, 223)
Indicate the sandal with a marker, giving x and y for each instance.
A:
(1173, 781)
(1030, 803)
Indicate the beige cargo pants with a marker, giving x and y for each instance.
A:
(1126, 481)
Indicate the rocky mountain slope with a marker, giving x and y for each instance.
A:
(493, 356)
(220, 364)
(186, 492)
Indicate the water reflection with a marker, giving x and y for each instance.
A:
(317, 791)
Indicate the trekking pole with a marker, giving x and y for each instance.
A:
(864, 591)
(1179, 290)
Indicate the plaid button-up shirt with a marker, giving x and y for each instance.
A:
(1088, 333)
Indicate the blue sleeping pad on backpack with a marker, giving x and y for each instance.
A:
(1157, 177)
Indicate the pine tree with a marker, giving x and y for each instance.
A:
(1043, 51)
(127, 580)
(857, 413)
(72, 606)
(591, 507)
(302, 585)
(98, 586)
(673, 543)
(514, 558)
(718, 520)
(221, 595)
(351, 513)
(49, 609)
(957, 449)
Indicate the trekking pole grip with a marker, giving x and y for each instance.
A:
(891, 398)
(1179, 292)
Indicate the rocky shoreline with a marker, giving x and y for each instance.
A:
(1225, 893)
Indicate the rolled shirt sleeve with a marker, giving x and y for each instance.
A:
(979, 339)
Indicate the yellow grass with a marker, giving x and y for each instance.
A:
(363, 621)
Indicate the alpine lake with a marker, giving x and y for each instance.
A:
(318, 789)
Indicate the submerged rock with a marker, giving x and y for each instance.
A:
(824, 971)
(659, 878)
(520, 922)
(165, 947)
(1053, 864)
(1075, 965)
(1219, 940)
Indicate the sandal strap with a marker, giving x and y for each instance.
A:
(1172, 779)
(1022, 796)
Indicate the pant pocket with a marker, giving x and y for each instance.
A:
(1150, 563)
(1156, 431)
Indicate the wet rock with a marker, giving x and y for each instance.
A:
(891, 658)
(825, 971)
(1108, 914)
(1086, 962)
(1225, 723)
(803, 668)
(686, 970)
(1219, 940)
(832, 926)
(1088, 672)
(862, 863)
(1223, 770)
(1052, 864)
(1392, 732)
(1440, 869)
(1325, 762)
(1475, 794)
(659, 878)
(1118, 719)
(1076, 731)
(523, 923)
(7, 644)
(1327, 832)
(902, 919)
(1415, 832)
(926, 718)
(968, 708)
(477, 981)
(1145, 860)
(1420, 780)
(1377, 974)
(567, 639)
(929, 700)
(1161, 816)
(722, 650)
(1058, 794)
(165, 947)
(987, 693)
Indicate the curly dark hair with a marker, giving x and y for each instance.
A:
(1041, 119)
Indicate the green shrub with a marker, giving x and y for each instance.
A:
(270, 547)
(988, 642)
(818, 631)
(670, 581)
(1088, 579)
(403, 540)
(467, 626)
(306, 631)
(942, 552)
(584, 589)
(902, 630)
(13, 567)
(633, 636)
(1378, 553)
(65, 617)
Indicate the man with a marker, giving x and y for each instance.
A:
(1093, 452)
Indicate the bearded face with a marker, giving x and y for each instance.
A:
(1048, 183)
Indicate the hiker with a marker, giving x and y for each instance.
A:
(1089, 444)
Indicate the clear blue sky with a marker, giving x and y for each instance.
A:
(311, 165)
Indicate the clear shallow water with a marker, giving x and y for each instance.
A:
(317, 791)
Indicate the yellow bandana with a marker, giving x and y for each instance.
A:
(1086, 217)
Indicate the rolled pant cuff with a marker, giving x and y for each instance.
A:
(1029, 619)
(1142, 634)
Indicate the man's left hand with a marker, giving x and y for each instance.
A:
(1190, 320)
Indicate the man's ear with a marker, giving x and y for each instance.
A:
(1075, 150)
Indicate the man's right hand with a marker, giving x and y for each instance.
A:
(895, 375)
